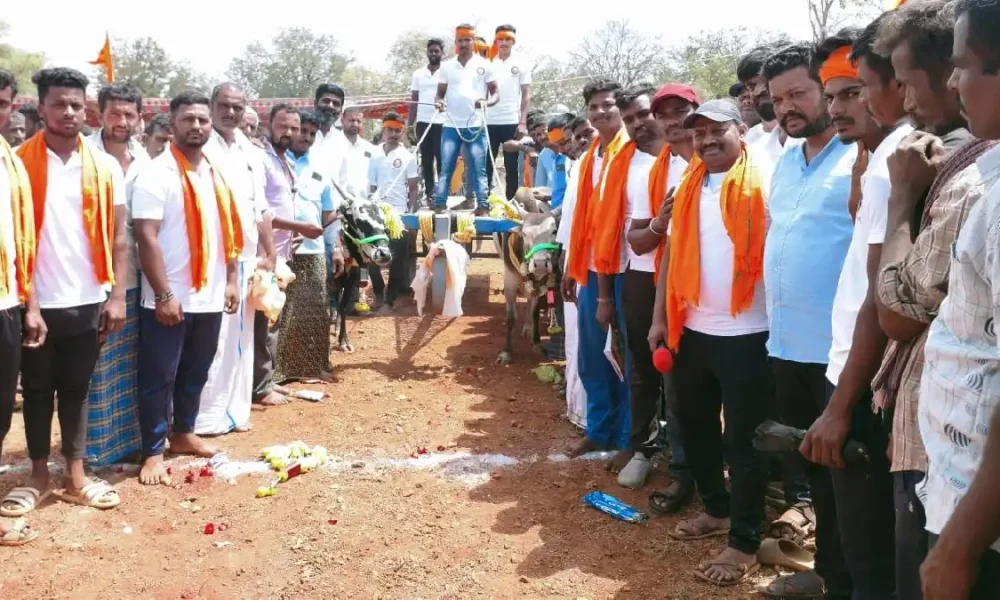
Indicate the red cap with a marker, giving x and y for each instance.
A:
(675, 90)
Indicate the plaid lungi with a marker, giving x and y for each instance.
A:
(113, 411)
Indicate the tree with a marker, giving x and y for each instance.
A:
(296, 61)
(554, 83)
(708, 59)
(185, 77)
(362, 81)
(146, 64)
(619, 53)
(20, 63)
(827, 16)
(407, 54)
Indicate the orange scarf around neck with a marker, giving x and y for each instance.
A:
(608, 223)
(581, 235)
(22, 211)
(229, 218)
(743, 214)
(98, 199)
(659, 174)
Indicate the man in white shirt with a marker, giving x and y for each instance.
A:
(423, 90)
(467, 86)
(157, 135)
(662, 114)
(393, 179)
(711, 284)
(862, 493)
(17, 249)
(508, 119)
(226, 398)
(189, 278)
(765, 139)
(114, 387)
(82, 256)
(957, 412)
(354, 176)
(330, 140)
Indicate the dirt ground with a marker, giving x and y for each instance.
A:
(484, 514)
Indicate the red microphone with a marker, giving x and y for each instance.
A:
(663, 358)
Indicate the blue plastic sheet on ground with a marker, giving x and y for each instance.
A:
(614, 507)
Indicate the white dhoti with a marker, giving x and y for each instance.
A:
(226, 399)
(576, 396)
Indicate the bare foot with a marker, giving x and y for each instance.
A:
(280, 389)
(153, 471)
(189, 443)
(248, 426)
(728, 567)
(616, 464)
(273, 399)
(586, 445)
(700, 527)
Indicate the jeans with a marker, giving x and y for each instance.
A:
(801, 392)
(498, 135)
(430, 154)
(911, 534)
(727, 373)
(63, 366)
(864, 501)
(10, 366)
(608, 420)
(474, 153)
(173, 368)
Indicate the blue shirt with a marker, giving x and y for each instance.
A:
(313, 197)
(545, 171)
(806, 245)
(558, 182)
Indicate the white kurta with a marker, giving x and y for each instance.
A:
(576, 396)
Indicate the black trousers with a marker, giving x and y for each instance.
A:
(801, 390)
(10, 366)
(498, 135)
(864, 500)
(399, 269)
(63, 365)
(638, 296)
(911, 534)
(728, 374)
(265, 352)
(430, 155)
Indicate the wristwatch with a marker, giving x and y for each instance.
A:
(167, 295)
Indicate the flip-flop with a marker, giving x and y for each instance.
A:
(785, 553)
(801, 519)
(20, 534)
(26, 498)
(743, 571)
(679, 535)
(92, 494)
(809, 583)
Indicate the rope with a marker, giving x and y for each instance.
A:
(515, 258)
(426, 220)
(465, 226)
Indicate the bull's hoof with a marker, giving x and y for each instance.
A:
(539, 347)
(504, 359)
(345, 347)
(526, 331)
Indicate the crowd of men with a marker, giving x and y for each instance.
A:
(820, 251)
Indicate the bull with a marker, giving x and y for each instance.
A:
(530, 258)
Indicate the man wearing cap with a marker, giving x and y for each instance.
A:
(467, 87)
(508, 120)
(807, 242)
(710, 312)
(646, 238)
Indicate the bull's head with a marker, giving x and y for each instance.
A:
(538, 231)
(364, 231)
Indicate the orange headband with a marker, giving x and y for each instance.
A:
(504, 35)
(461, 32)
(556, 135)
(392, 124)
(838, 65)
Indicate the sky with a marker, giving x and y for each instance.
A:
(209, 33)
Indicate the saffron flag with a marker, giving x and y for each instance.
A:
(104, 60)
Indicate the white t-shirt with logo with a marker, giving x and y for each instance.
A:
(159, 196)
(10, 299)
(390, 174)
(64, 267)
(713, 314)
(510, 74)
(466, 84)
(869, 229)
(354, 176)
(425, 84)
(639, 210)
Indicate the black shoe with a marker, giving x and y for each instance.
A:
(482, 211)
(440, 209)
(468, 204)
(678, 494)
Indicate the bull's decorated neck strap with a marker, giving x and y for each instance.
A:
(378, 237)
(538, 248)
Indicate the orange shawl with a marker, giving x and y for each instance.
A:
(98, 199)
(658, 176)
(743, 214)
(229, 218)
(609, 225)
(585, 212)
(24, 225)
